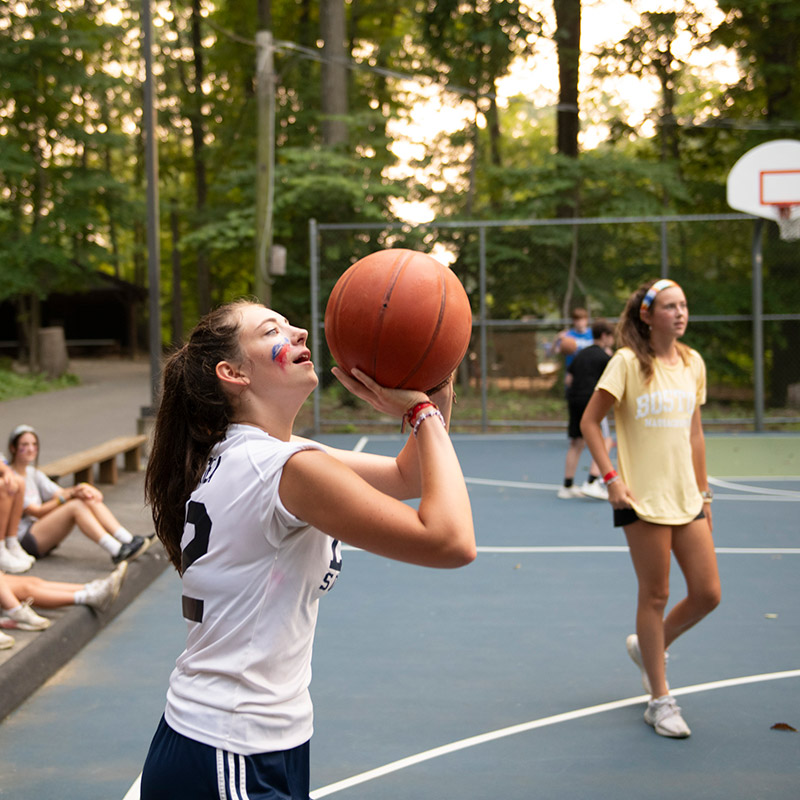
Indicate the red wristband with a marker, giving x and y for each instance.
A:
(608, 476)
(411, 416)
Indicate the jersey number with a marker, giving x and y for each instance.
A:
(197, 515)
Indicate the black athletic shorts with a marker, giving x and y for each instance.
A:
(627, 516)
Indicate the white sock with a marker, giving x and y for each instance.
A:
(10, 611)
(110, 544)
(122, 534)
(3, 545)
(81, 596)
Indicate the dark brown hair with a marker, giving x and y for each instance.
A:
(193, 414)
(634, 332)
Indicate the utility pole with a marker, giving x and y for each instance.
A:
(265, 173)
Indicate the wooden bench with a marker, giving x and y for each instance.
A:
(81, 465)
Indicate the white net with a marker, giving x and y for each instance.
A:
(789, 224)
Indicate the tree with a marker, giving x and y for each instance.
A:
(60, 125)
(568, 44)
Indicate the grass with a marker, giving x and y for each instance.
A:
(15, 384)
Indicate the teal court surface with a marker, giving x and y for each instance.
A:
(506, 679)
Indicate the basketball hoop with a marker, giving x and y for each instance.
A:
(789, 225)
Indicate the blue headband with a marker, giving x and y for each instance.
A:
(647, 300)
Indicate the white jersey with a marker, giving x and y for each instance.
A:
(252, 577)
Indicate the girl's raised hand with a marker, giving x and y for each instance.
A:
(395, 402)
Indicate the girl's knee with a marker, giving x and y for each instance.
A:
(654, 598)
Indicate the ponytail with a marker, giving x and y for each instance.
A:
(193, 415)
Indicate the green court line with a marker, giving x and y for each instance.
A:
(753, 454)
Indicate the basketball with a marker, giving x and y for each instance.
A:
(568, 345)
(401, 317)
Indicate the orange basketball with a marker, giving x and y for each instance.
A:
(568, 345)
(401, 317)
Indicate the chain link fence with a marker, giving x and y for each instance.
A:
(524, 278)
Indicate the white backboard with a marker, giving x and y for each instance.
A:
(766, 179)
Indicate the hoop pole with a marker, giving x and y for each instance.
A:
(758, 325)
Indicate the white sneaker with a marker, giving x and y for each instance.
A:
(595, 489)
(632, 646)
(103, 592)
(11, 564)
(24, 618)
(664, 715)
(19, 552)
(566, 492)
(6, 641)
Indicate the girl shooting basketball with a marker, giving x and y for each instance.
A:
(252, 518)
(661, 497)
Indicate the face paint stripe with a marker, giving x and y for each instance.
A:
(280, 352)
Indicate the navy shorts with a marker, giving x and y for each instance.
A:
(179, 768)
(627, 516)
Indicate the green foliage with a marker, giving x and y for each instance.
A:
(14, 384)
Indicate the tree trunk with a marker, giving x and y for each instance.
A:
(568, 44)
(334, 72)
(198, 157)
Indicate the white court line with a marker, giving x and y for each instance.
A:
(501, 733)
(761, 494)
(361, 444)
(473, 741)
(748, 551)
(741, 487)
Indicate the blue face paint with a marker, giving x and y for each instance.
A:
(280, 351)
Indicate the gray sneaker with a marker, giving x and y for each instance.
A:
(632, 645)
(103, 592)
(664, 715)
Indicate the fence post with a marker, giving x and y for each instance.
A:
(315, 326)
(484, 348)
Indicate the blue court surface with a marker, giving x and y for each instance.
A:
(506, 679)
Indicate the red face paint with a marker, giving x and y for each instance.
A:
(280, 352)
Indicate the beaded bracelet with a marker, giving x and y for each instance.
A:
(433, 412)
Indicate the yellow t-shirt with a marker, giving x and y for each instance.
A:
(654, 433)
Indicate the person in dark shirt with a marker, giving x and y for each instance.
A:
(584, 371)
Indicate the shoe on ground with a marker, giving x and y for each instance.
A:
(595, 489)
(632, 646)
(6, 641)
(133, 549)
(566, 492)
(664, 715)
(13, 565)
(103, 592)
(24, 618)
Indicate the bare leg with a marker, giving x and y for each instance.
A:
(11, 511)
(7, 597)
(54, 527)
(46, 594)
(693, 546)
(103, 515)
(573, 457)
(650, 548)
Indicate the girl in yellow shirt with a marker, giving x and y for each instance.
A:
(661, 497)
